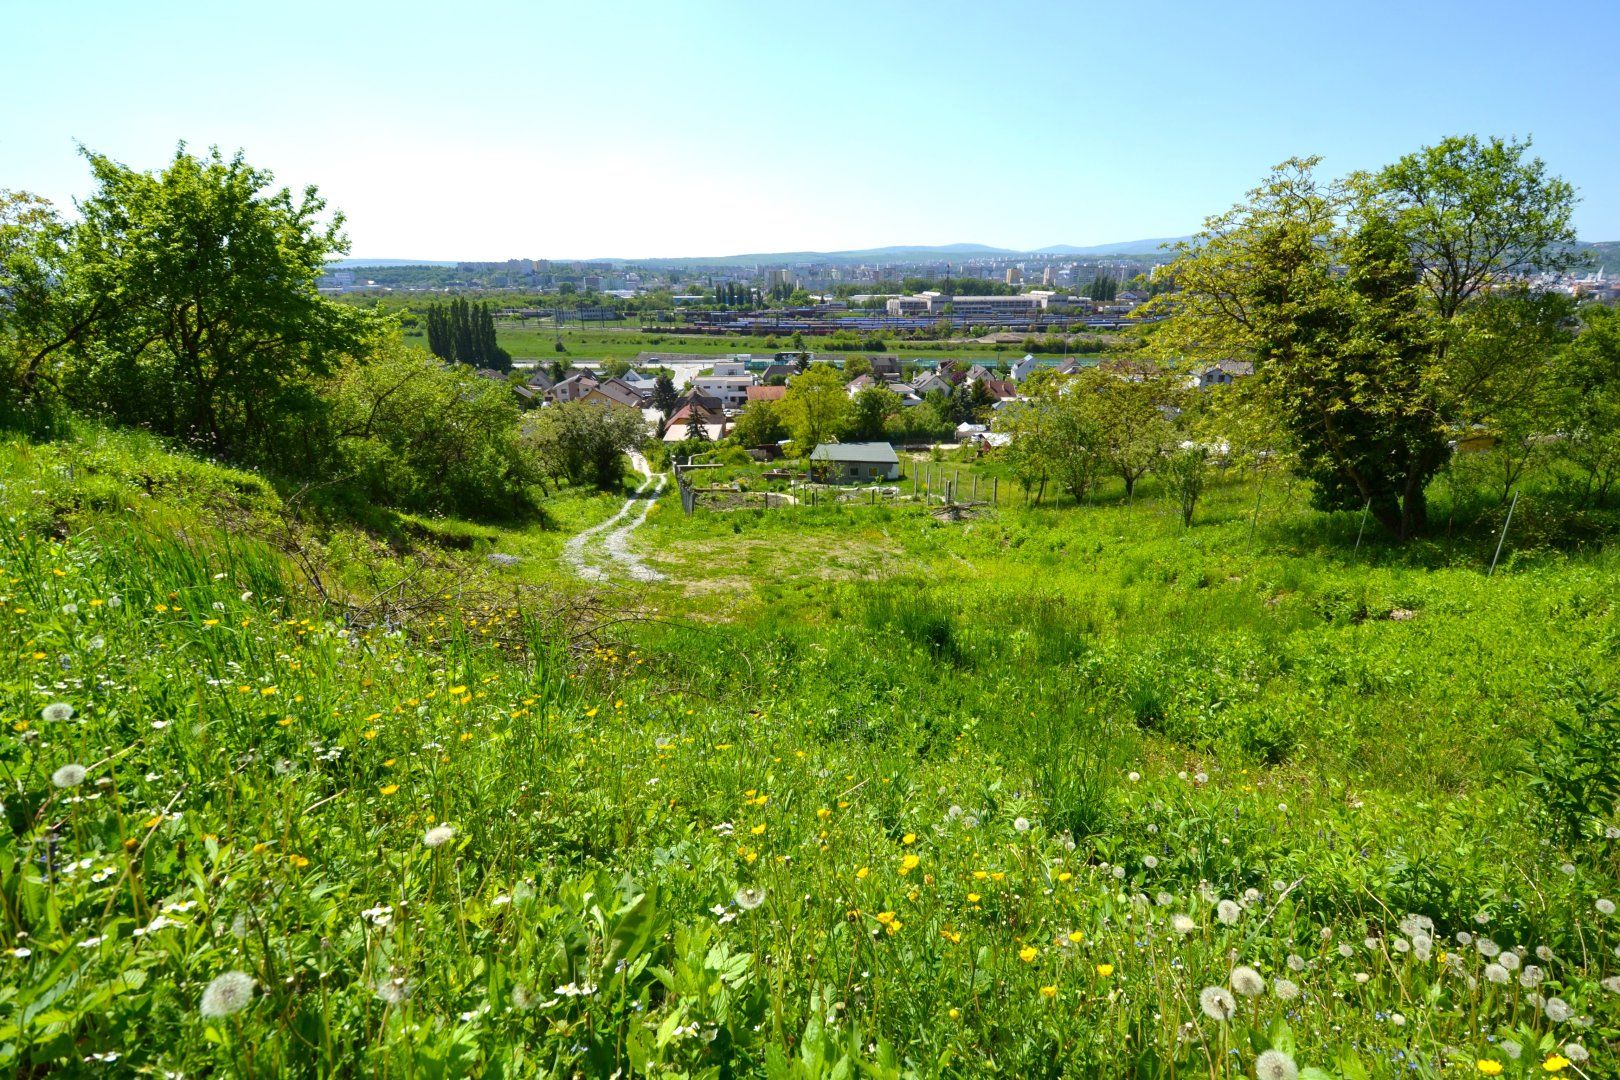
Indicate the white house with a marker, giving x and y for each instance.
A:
(1022, 369)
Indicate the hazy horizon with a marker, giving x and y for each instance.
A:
(647, 132)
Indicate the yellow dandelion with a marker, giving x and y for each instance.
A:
(1049, 992)
(1028, 953)
(1105, 970)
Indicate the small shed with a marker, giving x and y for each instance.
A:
(844, 463)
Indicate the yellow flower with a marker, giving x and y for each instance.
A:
(210, 622)
(1065, 876)
(1048, 992)
(285, 721)
(1556, 1063)
(269, 691)
(462, 690)
(824, 813)
(758, 829)
(973, 898)
(299, 861)
(371, 734)
(1105, 970)
(999, 875)
(909, 838)
(1488, 1067)
(860, 875)
(955, 1014)
(979, 875)
(951, 936)
(389, 789)
(1028, 953)
(908, 864)
(1076, 936)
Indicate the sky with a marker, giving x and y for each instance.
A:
(496, 130)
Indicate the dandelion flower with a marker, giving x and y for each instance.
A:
(749, 898)
(1488, 1067)
(68, 776)
(1021, 824)
(1576, 1053)
(1183, 924)
(393, 991)
(1511, 1049)
(1345, 950)
(439, 835)
(1555, 1063)
(1296, 962)
(1558, 1010)
(1285, 989)
(1275, 1065)
(1247, 981)
(56, 711)
(1228, 912)
(1509, 960)
(1487, 948)
(1605, 906)
(1496, 973)
(1217, 1003)
(1531, 976)
(1152, 863)
(227, 995)
(1422, 946)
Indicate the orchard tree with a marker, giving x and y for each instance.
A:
(870, 412)
(815, 406)
(1353, 297)
(212, 329)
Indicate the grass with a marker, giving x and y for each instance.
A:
(870, 793)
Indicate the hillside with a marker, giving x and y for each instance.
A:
(849, 786)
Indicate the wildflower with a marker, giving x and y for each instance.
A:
(1021, 824)
(1555, 1063)
(1422, 946)
(1049, 992)
(909, 838)
(1511, 1049)
(1150, 861)
(1576, 1053)
(1028, 953)
(1217, 1003)
(1296, 962)
(1345, 950)
(68, 776)
(438, 836)
(908, 864)
(1488, 1067)
(1133, 776)
(1487, 948)
(1361, 978)
(1275, 1065)
(860, 875)
(1496, 973)
(56, 711)
(1558, 1011)
(1105, 970)
(1605, 906)
(227, 995)
(1509, 960)
(1612, 984)
(1531, 976)
(1285, 989)
(1247, 981)
(954, 1014)
(749, 898)
(1228, 912)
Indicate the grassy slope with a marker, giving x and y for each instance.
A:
(834, 693)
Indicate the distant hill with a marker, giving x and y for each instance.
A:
(355, 264)
(1124, 247)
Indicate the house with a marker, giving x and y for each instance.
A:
(674, 433)
(539, 382)
(732, 390)
(977, 372)
(613, 394)
(923, 385)
(765, 393)
(1023, 368)
(640, 381)
(967, 432)
(779, 370)
(1221, 373)
(529, 397)
(885, 366)
(842, 463)
(859, 383)
(573, 388)
(1000, 389)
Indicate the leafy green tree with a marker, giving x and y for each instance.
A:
(585, 443)
(214, 330)
(815, 406)
(1585, 392)
(40, 315)
(1128, 409)
(1184, 471)
(413, 432)
(1351, 297)
(870, 412)
(855, 367)
(759, 424)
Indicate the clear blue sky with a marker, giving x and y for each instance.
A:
(683, 127)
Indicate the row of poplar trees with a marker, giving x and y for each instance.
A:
(464, 333)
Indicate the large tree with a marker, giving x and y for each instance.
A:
(815, 406)
(212, 328)
(1353, 297)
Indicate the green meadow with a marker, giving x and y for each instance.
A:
(1055, 790)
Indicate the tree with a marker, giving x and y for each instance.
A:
(759, 424)
(1585, 392)
(39, 314)
(870, 411)
(1183, 472)
(1352, 296)
(215, 329)
(665, 399)
(585, 443)
(815, 406)
(413, 432)
(855, 367)
(1129, 414)
(1056, 433)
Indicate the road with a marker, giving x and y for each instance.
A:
(615, 548)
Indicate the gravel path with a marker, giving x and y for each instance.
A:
(617, 543)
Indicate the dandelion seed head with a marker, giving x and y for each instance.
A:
(1183, 924)
(1605, 906)
(1496, 973)
(68, 776)
(439, 835)
(1021, 824)
(1247, 981)
(1275, 1065)
(1228, 912)
(749, 898)
(1285, 989)
(1217, 1003)
(1558, 1010)
(56, 712)
(1296, 962)
(227, 995)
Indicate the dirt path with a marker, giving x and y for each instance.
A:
(616, 546)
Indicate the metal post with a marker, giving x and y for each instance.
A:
(1359, 531)
(1503, 537)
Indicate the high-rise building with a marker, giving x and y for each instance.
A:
(1014, 276)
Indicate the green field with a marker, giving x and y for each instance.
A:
(851, 790)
